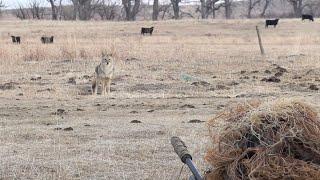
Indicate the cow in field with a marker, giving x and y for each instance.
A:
(146, 30)
(272, 22)
(307, 16)
(47, 40)
(16, 39)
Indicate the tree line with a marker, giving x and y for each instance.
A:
(129, 9)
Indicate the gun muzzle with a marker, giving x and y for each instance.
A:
(181, 149)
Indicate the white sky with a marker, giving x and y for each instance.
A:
(14, 3)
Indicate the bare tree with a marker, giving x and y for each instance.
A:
(21, 12)
(67, 13)
(215, 7)
(251, 5)
(155, 12)
(131, 10)
(298, 6)
(54, 9)
(315, 7)
(176, 8)
(84, 9)
(265, 7)
(227, 5)
(36, 9)
(204, 8)
(107, 10)
(60, 10)
(164, 9)
(2, 5)
(208, 7)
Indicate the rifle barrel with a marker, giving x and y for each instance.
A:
(193, 169)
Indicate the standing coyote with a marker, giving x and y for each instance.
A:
(103, 75)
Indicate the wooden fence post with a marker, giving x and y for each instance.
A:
(260, 42)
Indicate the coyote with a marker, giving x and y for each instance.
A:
(103, 75)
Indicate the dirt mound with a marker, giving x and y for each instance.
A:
(278, 140)
(8, 86)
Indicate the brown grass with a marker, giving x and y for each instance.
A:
(149, 76)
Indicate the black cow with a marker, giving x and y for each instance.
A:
(16, 39)
(146, 31)
(307, 16)
(272, 22)
(47, 40)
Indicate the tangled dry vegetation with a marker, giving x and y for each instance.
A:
(265, 141)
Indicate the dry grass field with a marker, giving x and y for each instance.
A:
(188, 70)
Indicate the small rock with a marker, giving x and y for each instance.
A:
(87, 125)
(43, 90)
(221, 106)
(280, 69)
(222, 87)
(195, 121)
(303, 85)
(271, 79)
(20, 94)
(7, 86)
(135, 121)
(313, 87)
(35, 78)
(296, 77)
(187, 106)
(267, 71)
(68, 129)
(78, 109)
(245, 77)
(200, 83)
(240, 95)
(278, 74)
(86, 77)
(60, 112)
(134, 112)
(309, 72)
(151, 110)
(234, 83)
(243, 72)
(58, 128)
(72, 80)
(254, 71)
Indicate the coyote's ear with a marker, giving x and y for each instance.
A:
(104, 53)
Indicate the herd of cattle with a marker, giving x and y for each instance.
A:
(144, 30)
(274, 22)
(44, 39)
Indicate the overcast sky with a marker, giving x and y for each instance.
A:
(14, 3)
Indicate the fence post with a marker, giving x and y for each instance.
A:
(260, 42)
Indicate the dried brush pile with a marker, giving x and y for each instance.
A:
(265, 141)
